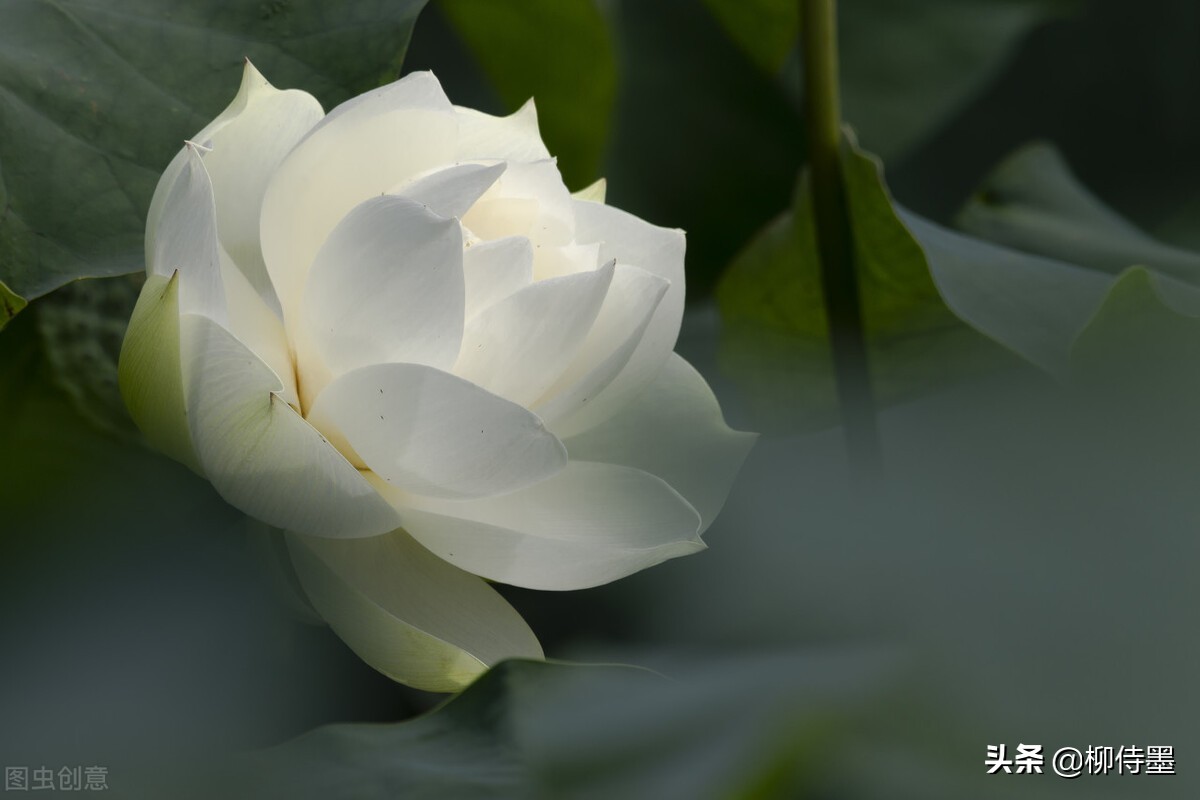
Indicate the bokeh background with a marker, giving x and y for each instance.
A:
(1023, 573)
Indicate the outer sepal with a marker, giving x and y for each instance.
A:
(150, 373)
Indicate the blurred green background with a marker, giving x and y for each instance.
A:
(1025, 573)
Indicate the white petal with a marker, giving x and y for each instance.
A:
(406, 612)
(259, 454)
(657, 250)
(537, 181)
(257, 326)
(500, 217)
(245, 154)
(587, 525)
(185, 240)
(150, 375)
(252, 82)
(451, 191)
(511, 138)
(387, 285)
(361, 149)
(431, 432)
(518, 347)
(627, 310)
(674, 429)
(496, 269)
(553, 261)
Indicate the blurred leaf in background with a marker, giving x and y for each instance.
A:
(95, 98)
(1032, 201)
(557, 51)
(1112, 85)
(905, 67)
(702, 140)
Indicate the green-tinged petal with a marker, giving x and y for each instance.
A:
(594, 193)
(407, 613)
(150, 374)
(586, 525)
(10, 304)
(673, 430)
(259, 453)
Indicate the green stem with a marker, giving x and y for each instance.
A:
(835, 241)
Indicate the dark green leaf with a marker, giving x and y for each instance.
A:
(557, 51)
(771, 302)
(82, 326)
(95, 98)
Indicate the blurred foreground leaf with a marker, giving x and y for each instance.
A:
(558, 52)
(777, 341)
(754, 726)
(96, 97)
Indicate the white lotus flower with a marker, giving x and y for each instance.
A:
(391, 332)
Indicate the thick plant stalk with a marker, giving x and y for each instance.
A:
(835, 242)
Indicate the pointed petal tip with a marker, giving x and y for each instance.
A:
(196, 148)
(252, 79)
(595, 192)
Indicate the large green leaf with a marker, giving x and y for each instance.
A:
(905, 67)
(750, 726)
(777, 342)
(557, 51)
(1034, 306)
(95, 98)
(1033, 202)
(1069, 249)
